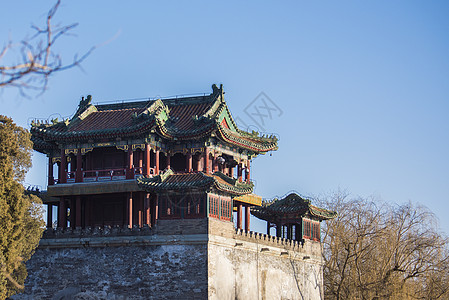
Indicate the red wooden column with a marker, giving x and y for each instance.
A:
(239, 172)
(268, 228)
(141, 170)
(79, 167)
(63, 165)
(247, 217)
(140, 209)
(51, 179)
(147, 160)
(157, 162)
(49, 215)
(129, 210)
(247, 171)
(78, 211)
(62, 214)
(154, 210)
(146, 210)
(206, 168)
(189, 162)
(239, 216)
(168, 160)
(130, 173)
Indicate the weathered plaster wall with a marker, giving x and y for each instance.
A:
(249, 266)
(247, 272)
(126, 272)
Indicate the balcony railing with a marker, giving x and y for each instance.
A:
(105, 175)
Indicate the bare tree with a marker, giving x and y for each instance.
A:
(37, 61)
(373, 250)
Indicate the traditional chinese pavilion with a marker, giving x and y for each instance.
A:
(135, 162)
(146, 191)
(294, 217)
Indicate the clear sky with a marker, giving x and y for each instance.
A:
(361, 88)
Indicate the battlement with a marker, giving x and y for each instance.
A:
(307, 247)
(189, 231)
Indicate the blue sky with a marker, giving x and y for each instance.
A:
(362, 87)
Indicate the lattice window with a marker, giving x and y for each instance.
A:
(307, 234)
(316, 231)
(214, 209)
(226, 210)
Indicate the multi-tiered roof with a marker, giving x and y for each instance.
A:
(174, 120)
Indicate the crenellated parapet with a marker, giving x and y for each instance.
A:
(279, 245)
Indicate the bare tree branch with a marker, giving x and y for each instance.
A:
(377, 251)
(38, 59)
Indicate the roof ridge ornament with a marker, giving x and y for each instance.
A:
(84, 103)
(85, 108)
(217, 90)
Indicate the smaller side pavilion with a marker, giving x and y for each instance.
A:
(294, 217)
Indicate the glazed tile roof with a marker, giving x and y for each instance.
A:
(179, 113)
(191, 181)
(99, 122)
(184, 118)
(106, 119)
(292, 206)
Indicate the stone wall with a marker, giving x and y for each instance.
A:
(178, 259)
(124, 272)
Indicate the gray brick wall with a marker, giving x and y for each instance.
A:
(125, 272)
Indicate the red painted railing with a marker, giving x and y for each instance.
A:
(106, 175)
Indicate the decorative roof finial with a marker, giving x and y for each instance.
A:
(216, 90)
(84, 103)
